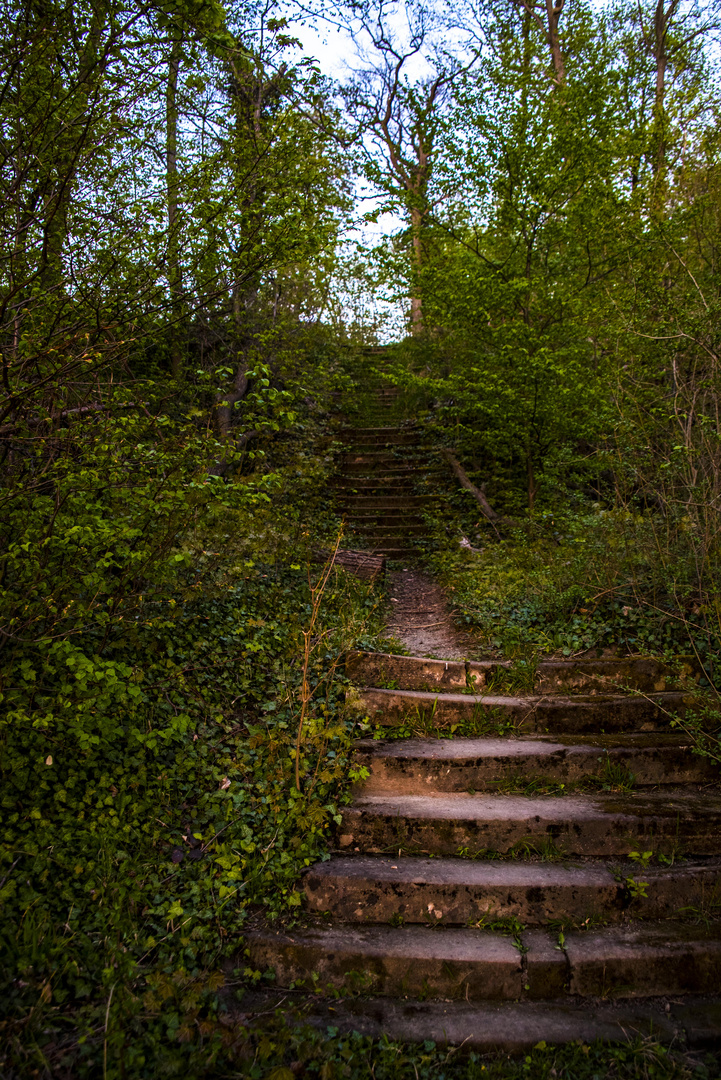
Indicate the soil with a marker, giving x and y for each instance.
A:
(421, 618)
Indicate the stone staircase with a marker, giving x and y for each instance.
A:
(379, 485)
(485, 888)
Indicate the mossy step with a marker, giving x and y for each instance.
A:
(349, 484)
(381, 540)
(578, 714)
(416, 766)
(351, 470)
(386, 519)
(508, 1027)
(382, 532)
(384, 502)
(602, 826)
(380, 436)
(452, 891)
(474, 965)
(546, 676)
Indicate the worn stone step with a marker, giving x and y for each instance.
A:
(383, 532)
(413, 961)
(376, 453)
(384, 502)
(666, 822)
(387, 519)
(416, 766)
(347, 484)
(374, 466)
(384, 472)
(374, 485)
(547, 676)
(573, 715)
(643, 960)
(405, 672)
(512, 1028)
(381, 436)
(509, 1027)
(452, 891)
(379, 542)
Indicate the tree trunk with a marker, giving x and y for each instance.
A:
(226, 402)
(553, 12)
(532, 485)
(171, 166)
(416, 268)
(661, 19)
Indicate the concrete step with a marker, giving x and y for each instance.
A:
(385, 540)
(417, 766)
(381, 959)
(547, 676)
(343, 484)
(394, 548)
(384, 470)
(645, 960)
(668, 822)
(502, 1027)
(569, 715)
(385, 502)
(384, 455)
(381, 889)
(376, 437)
(386, 519)
(509, 1027)
(381, 532)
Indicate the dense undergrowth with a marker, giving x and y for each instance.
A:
(156, 779)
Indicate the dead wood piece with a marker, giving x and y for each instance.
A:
(362, 564)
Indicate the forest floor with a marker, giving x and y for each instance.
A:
(421, 617)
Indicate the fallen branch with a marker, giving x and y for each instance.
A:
(478, 494)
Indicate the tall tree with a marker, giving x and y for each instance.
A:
(397, 98)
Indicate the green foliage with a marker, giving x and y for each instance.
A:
(576, 581)
(153, 616)
(148, 799)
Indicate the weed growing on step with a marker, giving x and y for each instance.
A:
(635, 889)
(518, 678)
(517, 784)
(425, 723)
(543, 849)
(702, 724)
(707, 911)
(615, 776)
(507, 925)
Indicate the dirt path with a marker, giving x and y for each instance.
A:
(421, 617)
